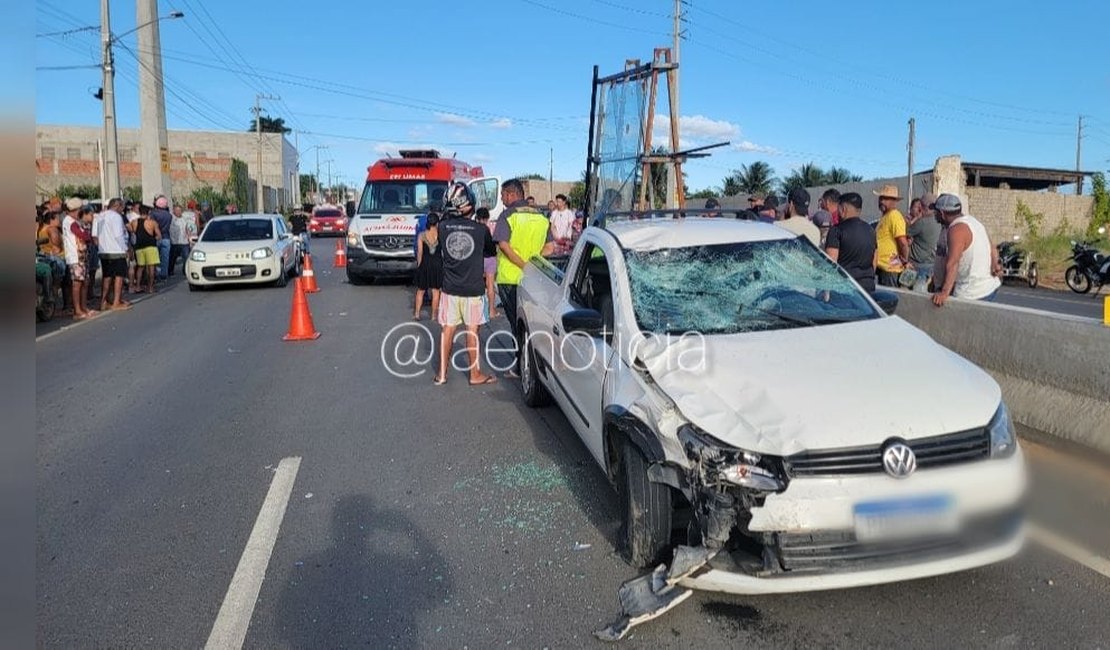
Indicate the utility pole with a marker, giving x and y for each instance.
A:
(154, 140)
(331, 189)
(110, 185)
(297, 184)
(909, 169)
(1079, 157)
(316, 178)
(672, 183)
(261, 200)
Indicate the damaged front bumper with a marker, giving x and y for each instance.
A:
(814, 533)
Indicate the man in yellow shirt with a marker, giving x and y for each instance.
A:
(892, 247)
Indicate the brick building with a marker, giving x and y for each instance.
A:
(70, 155)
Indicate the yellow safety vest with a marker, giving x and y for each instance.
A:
(527, 236)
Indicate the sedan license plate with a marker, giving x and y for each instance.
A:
(228, 273)
(905, 518)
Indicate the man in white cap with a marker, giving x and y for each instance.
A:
(892, 248)
(971, 270)
(75, 239)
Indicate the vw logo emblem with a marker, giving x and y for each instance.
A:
(899, 460)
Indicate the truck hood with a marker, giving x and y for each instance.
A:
(845, 385)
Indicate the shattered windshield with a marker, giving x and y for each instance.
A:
(741, 287)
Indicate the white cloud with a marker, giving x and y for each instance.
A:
(696, 128)
(501, 123)
(481, 158)
(455, 120)
(752, 147)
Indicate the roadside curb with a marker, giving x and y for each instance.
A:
(133, 300)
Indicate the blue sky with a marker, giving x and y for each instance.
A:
(506, 83)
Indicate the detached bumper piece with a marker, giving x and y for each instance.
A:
(656, 593)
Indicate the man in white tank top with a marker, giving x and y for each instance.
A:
(971, 271)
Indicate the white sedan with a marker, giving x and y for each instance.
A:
(244, 248)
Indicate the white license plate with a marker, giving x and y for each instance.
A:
(905, 518)
(228, 273)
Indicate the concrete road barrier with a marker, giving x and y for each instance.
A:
(1054, 369)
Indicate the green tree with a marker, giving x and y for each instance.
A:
(210, 195)
(839, 175)
(84, 191)
(756, 177)
(308, 184)
(237, 188)
(808, 175)
(132, 193)
(532, 177)
(577, 194)
(270, 125)
(707, 193)
(1100, 210)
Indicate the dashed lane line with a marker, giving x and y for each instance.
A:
(230, 629)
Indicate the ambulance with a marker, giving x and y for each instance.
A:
(399, 193)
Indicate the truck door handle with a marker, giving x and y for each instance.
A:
(555, 330)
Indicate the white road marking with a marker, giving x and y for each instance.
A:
(1069, 549)
(230, 629)
(78, 323)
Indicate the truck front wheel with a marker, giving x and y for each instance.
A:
(646, 508)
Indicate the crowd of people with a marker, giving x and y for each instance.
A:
(132, 246)
(937, 249)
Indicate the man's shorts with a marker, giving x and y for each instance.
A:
(113, 266)
(77, 272)
(462, 310)
(147, 256)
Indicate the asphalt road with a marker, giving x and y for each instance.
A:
(1062, 302)
(420, 516)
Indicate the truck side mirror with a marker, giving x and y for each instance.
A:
(587, 321)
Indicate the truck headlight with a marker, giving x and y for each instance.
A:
(1001, 428)
(261, 253)
(198, 256)
(352, 239)
(721, 462)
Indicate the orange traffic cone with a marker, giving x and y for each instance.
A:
(300, 321)
(309, 275)
(340, 254)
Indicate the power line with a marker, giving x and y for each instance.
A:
(596, 21)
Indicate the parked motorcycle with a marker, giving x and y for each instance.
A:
(47, 289)
(1090, 269)
(1017, 263)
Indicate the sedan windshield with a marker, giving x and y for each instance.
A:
(238, 230)
(402, 197)
(741, 287)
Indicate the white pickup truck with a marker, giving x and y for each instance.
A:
(750, 402)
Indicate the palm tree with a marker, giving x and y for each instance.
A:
(749, 179)
(839, 175)
(808, 175)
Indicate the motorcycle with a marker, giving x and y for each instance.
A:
(1017, 263)
(48, 282)
(1090, 269)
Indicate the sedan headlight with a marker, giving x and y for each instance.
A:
(261, 253)
(198, 256)
(721, 462)
(1001, 428)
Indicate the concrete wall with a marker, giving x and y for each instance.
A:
(1054, 370)
(997, 209)
(70, 155)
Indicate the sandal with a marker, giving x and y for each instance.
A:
(490, 379)
(439, 381)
